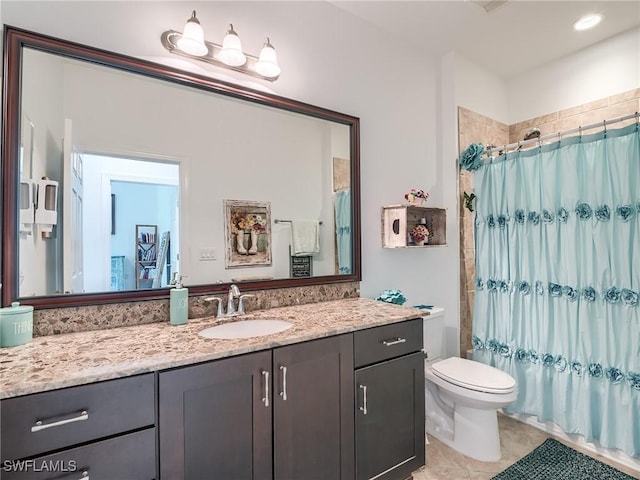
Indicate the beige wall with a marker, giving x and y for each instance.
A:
(476, 128)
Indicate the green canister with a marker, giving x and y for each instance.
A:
(16, 325)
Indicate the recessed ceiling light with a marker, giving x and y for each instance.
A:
(587, 22)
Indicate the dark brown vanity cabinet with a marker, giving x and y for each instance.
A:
(103, 430)
(284, 413)
(389, 383)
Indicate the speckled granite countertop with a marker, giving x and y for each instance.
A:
(58, 361)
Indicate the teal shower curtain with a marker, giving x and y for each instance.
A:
(558, 281)
(343, 230)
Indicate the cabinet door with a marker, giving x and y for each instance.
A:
(215, 422)
(390, 418)
(313, 410)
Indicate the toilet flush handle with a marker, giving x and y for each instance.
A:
(395, 341)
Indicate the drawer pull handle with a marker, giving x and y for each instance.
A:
(57, 421)
(396, 341)
(283, 393)
(74, 476)
(363, 408)
(265, 400)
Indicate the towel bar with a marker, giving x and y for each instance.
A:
(288, 221)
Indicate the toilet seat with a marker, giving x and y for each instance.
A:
(474, 375)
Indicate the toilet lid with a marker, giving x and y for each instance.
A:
(474, 375)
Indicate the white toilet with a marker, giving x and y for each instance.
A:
(463, 397)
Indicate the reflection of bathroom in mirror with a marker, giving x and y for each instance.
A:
(167, 154)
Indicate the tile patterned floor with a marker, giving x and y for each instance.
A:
(517, 439)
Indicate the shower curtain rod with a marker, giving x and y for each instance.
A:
(559, 135)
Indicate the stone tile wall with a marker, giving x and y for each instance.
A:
(607, 108)
(474, 128)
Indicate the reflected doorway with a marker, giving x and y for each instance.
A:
(127, 193)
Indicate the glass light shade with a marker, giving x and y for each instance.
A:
(192, 40)
(231, 52)
(267, 64)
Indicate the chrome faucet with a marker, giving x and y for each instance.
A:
(234, 292)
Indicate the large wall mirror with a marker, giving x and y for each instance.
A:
(117, 173)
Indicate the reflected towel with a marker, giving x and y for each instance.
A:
(305, 237)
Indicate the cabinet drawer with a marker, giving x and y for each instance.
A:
(389, 341)
(42, 422)
(130, 456)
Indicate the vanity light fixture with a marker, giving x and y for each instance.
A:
(191, 44)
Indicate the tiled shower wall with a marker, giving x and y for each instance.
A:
(475, 128)
(472, 128)
(607, 108)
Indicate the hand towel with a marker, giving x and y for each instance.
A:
(305, 237)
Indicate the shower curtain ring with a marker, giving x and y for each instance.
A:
(605, 126)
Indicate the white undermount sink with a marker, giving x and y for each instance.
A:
(246, 329)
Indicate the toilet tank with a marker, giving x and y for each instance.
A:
(433, 332)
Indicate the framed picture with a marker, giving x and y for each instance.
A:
(247, 230)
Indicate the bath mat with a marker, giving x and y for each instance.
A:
(555, 461)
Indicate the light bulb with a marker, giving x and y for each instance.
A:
(192, 40)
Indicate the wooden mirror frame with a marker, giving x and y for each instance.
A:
(14, 40)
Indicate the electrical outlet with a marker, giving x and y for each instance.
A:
(207, 254)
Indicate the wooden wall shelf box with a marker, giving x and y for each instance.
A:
(399, 220)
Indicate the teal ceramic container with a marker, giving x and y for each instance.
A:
(16, 325)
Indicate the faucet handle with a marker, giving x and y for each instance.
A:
(220, 313)
(241, 302)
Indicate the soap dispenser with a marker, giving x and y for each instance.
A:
(178, 301)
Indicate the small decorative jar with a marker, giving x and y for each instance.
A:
(16, 325)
